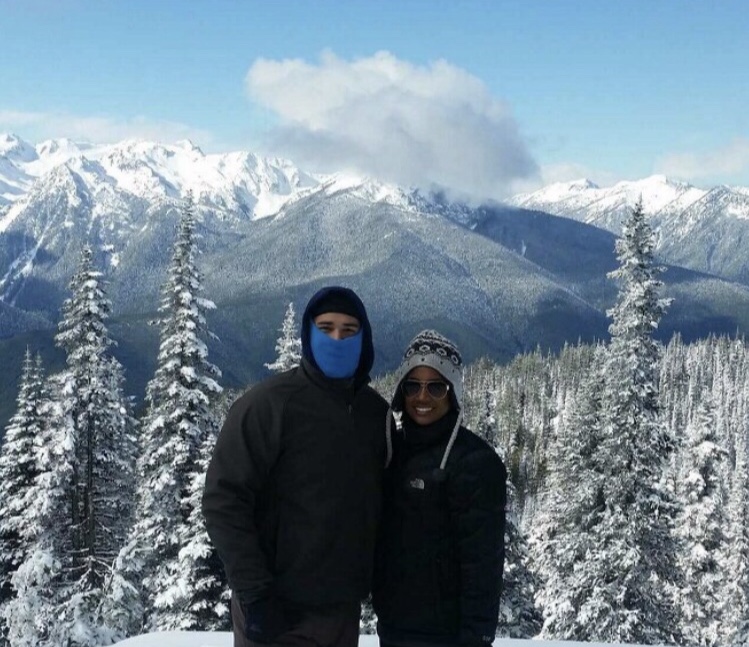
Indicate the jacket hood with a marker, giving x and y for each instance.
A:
(366, 360)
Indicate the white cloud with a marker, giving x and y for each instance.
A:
(380, 116)
(38, 126)
(730, 160)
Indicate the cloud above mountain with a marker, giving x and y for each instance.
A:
(37, 126)
(729, 160)
(433, 125)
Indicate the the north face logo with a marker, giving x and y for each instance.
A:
(417, 484)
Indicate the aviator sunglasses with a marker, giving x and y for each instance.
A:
(435, 388)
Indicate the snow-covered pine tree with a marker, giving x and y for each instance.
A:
(121, 612)
(91, 417)
(204, 597)
(33, 614)
(368, 618)
(288, 345)
(702, 530)
(630, 567)
(18, 472)
(736, 613)
(519, 617)
(178, 424)
(486, 426)
(571, 508)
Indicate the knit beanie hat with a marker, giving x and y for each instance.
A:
(429, 348)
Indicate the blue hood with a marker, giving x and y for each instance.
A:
(367, 351)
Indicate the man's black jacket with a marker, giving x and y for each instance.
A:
(441, 550)
(292, 494)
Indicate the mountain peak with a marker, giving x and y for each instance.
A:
(188, 145)
(62, 147)
(582, 184)
(367, 188)
(16, 149)
(655, 181)
(556, 192)
(659, 177)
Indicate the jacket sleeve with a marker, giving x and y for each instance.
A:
(245, 452)
(477, 501)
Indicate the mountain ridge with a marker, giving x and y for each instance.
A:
(499, 279)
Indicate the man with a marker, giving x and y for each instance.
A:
(292, 494)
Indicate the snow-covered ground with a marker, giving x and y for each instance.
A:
(224, 639)
(181, 639)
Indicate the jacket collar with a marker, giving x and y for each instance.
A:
(347, 385)
(426, 435)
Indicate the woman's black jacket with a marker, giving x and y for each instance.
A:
(438, 571)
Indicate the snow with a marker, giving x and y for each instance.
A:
(657, 192)
(737, 211)
(238, 181)
(15, 149)
(557, 191)
(240, 184)
(180, 639)
(369, 189)
(224, 639)
(51, 153)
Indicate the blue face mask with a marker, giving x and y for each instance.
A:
(336, 358)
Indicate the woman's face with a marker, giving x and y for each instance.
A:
(423, 408)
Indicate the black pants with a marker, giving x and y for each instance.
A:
(338, 627)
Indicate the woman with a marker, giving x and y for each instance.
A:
(441, 549)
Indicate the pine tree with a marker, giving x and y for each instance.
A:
(368, 618)
(288, 345)
(18, 473)
(630, 566)
(83, 491)
(737, 592)
(702, 530)
(104, 445)
(572, 508)
(519, 617)
(121, 612)
(205, 600)
(178, 425)
(486, 427)
(33, 615)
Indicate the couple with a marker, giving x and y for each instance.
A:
(316, 496)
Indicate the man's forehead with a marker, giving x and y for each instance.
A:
(340, 316)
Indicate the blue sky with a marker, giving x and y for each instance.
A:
(538, 91)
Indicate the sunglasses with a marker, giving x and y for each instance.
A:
(435, 388)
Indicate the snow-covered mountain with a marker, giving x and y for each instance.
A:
(499, 279)
(239, 182)
(60, 189)
(703, 229)
(604, 207)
